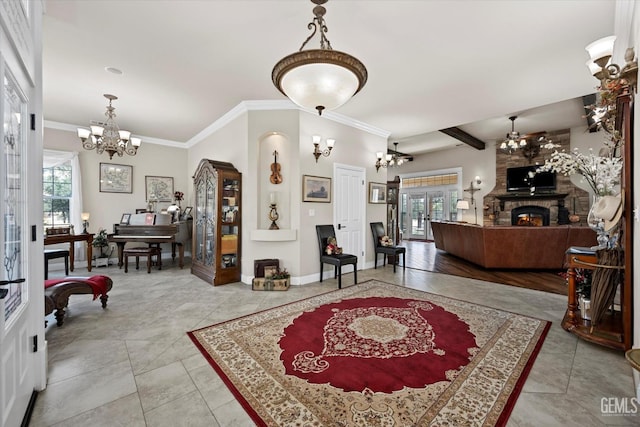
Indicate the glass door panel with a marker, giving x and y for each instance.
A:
(437, 206)
(13, 209)
(416, 216)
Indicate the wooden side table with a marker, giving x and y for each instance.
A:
(610, 331)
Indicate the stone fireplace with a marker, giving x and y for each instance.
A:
(567, 199)
(531, 216)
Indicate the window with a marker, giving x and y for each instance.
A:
(430, 180)
(57, 193)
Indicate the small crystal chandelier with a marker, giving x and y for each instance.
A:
(390, 160)
(321, 79)
(109, 137)
(511, 143)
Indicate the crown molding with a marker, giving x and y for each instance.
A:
(234, 113)
(145, 139)
(262, 105)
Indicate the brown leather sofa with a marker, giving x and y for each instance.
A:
(511, 246)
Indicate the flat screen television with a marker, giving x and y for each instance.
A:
(519, 179)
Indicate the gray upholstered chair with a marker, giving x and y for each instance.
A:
(377, 231)
(324, 232)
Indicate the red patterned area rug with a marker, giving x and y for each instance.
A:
(375, 354)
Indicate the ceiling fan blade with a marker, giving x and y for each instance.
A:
(534, 134)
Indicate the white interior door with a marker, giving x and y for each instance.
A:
(22, 346)
(349, 212)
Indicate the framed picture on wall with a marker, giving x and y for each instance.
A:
(377, 192)
(115, 178)
(159, 188)
(316, 189)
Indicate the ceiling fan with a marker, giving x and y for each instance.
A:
(528, 144)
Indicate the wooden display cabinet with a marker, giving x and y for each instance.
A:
(616, 330)
(216, 251)
(393, 209)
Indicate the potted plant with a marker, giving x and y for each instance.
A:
(101, 241)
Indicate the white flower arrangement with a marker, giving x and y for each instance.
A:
(602, 172)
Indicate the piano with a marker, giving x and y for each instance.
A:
(178, 234)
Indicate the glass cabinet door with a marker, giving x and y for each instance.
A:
(229, 223)
(198, 235)
(211, 180)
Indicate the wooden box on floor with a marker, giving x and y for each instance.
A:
(265, 284)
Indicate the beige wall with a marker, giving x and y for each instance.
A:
(483, 163)
(249, 141)
(106, 209)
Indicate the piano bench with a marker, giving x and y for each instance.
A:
(149, 252)
(55, 253)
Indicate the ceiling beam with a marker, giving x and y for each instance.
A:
(461, 135)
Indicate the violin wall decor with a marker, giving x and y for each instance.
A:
(276, 176)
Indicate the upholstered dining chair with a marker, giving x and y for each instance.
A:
(377, 230)
(324, 232)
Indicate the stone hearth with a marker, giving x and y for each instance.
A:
(499, 203)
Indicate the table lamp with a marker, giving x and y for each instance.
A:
(462, 205)
(85, 221)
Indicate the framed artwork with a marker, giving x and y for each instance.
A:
(149, 218)
(125, 219)
(115, 178)
(141, 210)
(377, 192)
(159, 188)
(316, 189)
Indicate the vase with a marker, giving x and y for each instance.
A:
(597, 225)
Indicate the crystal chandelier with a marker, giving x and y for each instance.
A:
(320, 79)
(513, 140)
(109, 137)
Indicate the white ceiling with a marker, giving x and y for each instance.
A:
(432, 64)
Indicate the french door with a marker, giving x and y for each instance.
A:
(416, 215)
(418, 209)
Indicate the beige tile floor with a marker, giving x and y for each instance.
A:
(133, 365)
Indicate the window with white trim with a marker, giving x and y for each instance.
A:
(57, 194)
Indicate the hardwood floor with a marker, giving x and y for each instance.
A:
(423, 255)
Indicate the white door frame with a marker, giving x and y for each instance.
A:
(23, 357)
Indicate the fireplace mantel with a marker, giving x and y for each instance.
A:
(528, 196)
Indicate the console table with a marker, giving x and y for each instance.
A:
(53, 239)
